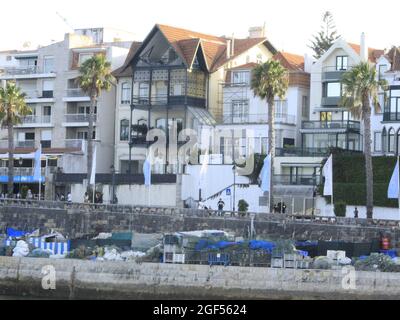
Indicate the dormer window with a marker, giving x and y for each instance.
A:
(342, 63)
(241, 77)
(382, 69)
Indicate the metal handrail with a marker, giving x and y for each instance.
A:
(79, 117)
(332, 124)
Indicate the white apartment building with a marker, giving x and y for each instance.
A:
(59, 120)
(386, 124)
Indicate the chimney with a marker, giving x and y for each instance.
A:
(228, 49)
(257, 32)
(363, 48)
(233, 45)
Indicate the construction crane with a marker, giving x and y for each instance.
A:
(65, 21)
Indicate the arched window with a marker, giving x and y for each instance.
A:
(124, 130)
(398, 142)
(126, 93)
(391, 141)
(384, 140)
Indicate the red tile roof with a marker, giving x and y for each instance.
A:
(123, 71)
(373, 54)
(186, 44)
(290, 61)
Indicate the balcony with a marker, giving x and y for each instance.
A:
(260, 118)
(391, 116)
(333, 125)
(299, 180)
(75, 95)
(78, 144)
(330, 101)
(301, 152)
(21, 172)
(331, 73)
(34, 96)
(30, 72)
(78, 120)
(164, 100)
(35, 121)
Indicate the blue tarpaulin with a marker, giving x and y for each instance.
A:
(222, 245)
(265, 245)
(15, 233)
(302, 253)
(390, 253)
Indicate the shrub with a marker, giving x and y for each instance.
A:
(243, 206)
(340, 209)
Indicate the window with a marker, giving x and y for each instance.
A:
(83, 135)
(86, 110)
(48, 87)
(47, 111)
(382, 69)
(377, 141)
(341, 63)
(29, 136)
(143, 93)
(333, 89)
(259, 58)
(84, 57)
(281, 108)
(346, 115)
(391, 141)
(126, 93)
(124, 130)
(241, 77)
(288, 142)
(48, 64)
(305, 109)
(326, 116)
(240, 110)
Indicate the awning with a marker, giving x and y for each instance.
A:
(203, 116)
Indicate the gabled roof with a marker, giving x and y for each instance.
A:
(290, 61)
(186, 44)
(123, 71)
(373, 54)
(394, 58)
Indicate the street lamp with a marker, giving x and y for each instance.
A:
(113, 184)
(20, 162)
(234, 187)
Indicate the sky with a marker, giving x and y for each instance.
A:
(290, 24)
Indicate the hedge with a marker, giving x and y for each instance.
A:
(349, 180)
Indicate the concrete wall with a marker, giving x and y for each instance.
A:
(106, 280)
(76, 220)
(381, 213)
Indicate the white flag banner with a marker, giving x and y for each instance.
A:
(93, 173)
(265, 175)
(393, 190)
(147, 173)
(327, 173)
(37, 175)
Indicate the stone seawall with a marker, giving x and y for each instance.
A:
(75, 221)
(77, 279)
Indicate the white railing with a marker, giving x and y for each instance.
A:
(36, 119)
(22, 70)
(79, 117)
(75, 92)
(21, 171)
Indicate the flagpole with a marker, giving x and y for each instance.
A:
(332, 203)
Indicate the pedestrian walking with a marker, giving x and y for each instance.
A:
(221, 206)
(69, 197)
(356, 213)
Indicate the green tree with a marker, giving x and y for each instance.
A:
(361, 93)
(95, 76)
(12, 109)
(270, 80)
(324, 39)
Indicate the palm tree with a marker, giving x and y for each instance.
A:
(270, 80)
(360, 94)
(95, 76)
(12, 109)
